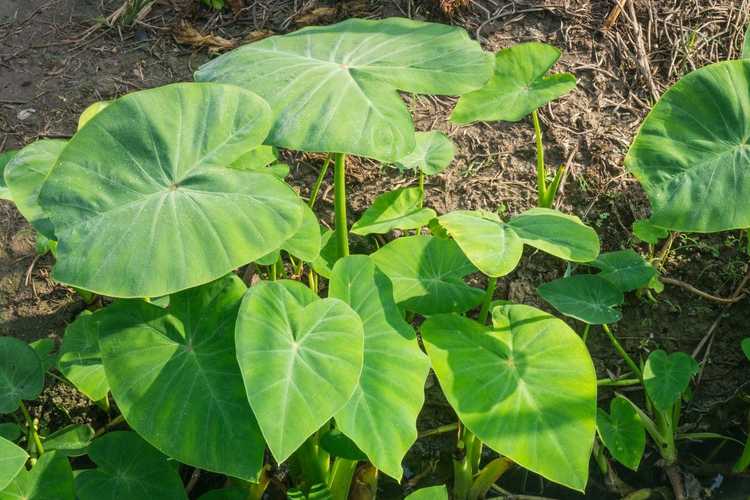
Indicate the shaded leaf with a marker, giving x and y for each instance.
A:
(746, 347)
(556, 233)
(329, 254)
(622, 432)
(586, 297)
(71, 440)
(12, 460)
(398, 209)
(306, 243)
(21, 374)
(4, 160)
(645, 230)
(337, 444)
(43, 349)
(10, 431)
(625, 269)
(434, 151)
(51, 478)
(667, 376)
(431, 493)
(81, 359)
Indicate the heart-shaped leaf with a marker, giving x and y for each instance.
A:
(51, 478)
(518, 87)
(71, 440)
(558, 234)
(143, 205)
(427, 275)
(81, 359)
(490, 244)
(399, 209)
(381, 417)
(692, 155)
(645, 230)
(26, 173)
(128, 467)
(174, 376)
(625, 269)
(585, 297)
(431, 493)
(21, 374)
(526, 387)
(12, 460)
(667, 376)
(301, 358)
(4, 160)
(622, 433)
(334, 88)
(434, 152)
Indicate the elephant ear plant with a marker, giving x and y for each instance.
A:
(520, 86)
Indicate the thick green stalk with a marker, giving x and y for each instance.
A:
(310, 467)
(585, 335)
(488, 476)
(31, 427)
(463, 464)
(667, 447)
(622, 382)
(318, 182)
(421, 188)
(489, 293)
(541, 171)
(342, 230)
(624, 355)
(341, 478)
(554, 187)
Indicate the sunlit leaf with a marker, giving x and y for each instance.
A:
(306, 242)
(586, 297)
(434, 152)
(398, 209)
(667, 376)
(91, 111)
(622, 432)
(12, 460)
(51, 478)
(431, 493)
(329, 253)
(21, 374)
(81, 359)
(556, 233)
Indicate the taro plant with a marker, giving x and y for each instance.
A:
(519, 86)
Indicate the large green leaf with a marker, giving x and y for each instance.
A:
(622, 432)
(334, 88)
(81, 359)
(21, 374)
(306, 242)
(51, 478)
(12, 460)
(556, 233)
(518, 87)
(431, 493)
(526, 387)
(174, 375)
(667, 376)
(692, 154)
(381, 417)
(398, 209)
(301, 358)
(25, 174)
(427, 275)
(586, 297)
(434, 152)
(626, 269)
(490, 244)
(143, 205)
(4, 160)
(71, 441)
(128, 467)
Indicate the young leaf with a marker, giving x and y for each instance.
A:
(300, 357)
(12, 460)
(334, 88)
(81, 359)
(667, 376)
(691, 153)
(431, 493)
(622, 433)
(745, 344)
(585, 297)
(427, 275)
(518, 87)
(526, 387)
(127, 467)
(142, 204)
(305, 244)
(71, 440)
(558, 234)
(490, 244)
(174, 375)
(21, 374)
(645, 230)
(381, 417)
(399, 209)
(5, 158)
(25, 174)
(434, 152)
(625, 269)
(51, 478)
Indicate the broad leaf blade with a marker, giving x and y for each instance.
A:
(667, 376)
(21, 374)
(12, 460)
(625, 269)
(143, 205)
(585, 297)
(306, 242)
(518, 87)
(431, 493)
(556, 233)
(427, 275)
(398, 209)
(622, 433)
(691, 153)
(5, 158)
(381, 417)
(489, 244)
(25, 174)
(51, 478)
(301, 358)
(81, 358)
(174, 375)
(645, 230)
(334, 88)
(526, 388)
(128, 467)
(71, 440)
(433, 153)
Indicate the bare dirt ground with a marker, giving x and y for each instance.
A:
(59, 56)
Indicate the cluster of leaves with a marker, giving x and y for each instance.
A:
(163, 194)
